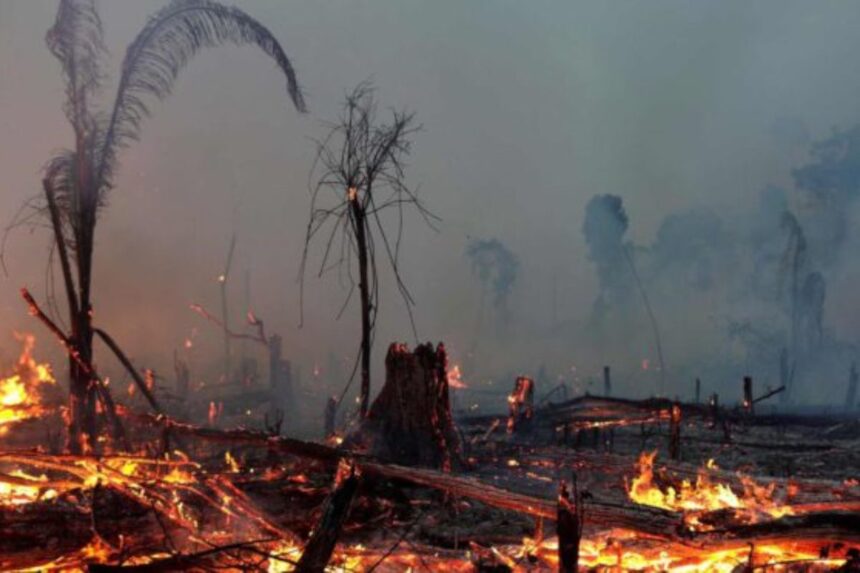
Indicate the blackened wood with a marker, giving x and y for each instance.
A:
(569, 530)
(410, 421)
(675, 432)
(748, 395)
(319, 548)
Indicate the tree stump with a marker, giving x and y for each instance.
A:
(410, 421)
(521, 405)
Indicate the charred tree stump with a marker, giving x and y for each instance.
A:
(675, 431)
(521, 405)
(569, 528)
(323, 539)
(410, 421)
(748, 403)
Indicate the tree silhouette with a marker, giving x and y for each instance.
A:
(361, 165)
(77, 180)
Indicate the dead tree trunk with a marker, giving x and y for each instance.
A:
(521, 405)
(748, 395)
(323, 539)
(410, 421)
(280, 375)
(851, 395)
(607, 382)
(569, 528)
(675, 432)
(358, 219)
(330, 417)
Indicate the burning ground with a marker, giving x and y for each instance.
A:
(748, 492)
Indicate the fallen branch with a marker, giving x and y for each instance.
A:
(72, 350)
(141, 383)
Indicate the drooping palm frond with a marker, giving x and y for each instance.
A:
(165, 45)
(76, 40)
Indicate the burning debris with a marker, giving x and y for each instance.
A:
(153, 474)
(22, 392)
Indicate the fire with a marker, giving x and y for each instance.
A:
(231, 462)
(20, 393)
(694, 499)
(455, 378)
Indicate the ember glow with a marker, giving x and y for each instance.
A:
(455, 378)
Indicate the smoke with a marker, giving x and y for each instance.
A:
(830, 184)
(759, 277)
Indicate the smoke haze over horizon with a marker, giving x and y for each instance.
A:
(687, 111)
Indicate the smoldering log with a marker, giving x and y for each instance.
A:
(823, 526)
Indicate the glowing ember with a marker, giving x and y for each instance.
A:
(20, 393)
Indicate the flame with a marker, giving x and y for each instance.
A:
(20, 393)
(704, 495)
(231, 462)
(455, 378)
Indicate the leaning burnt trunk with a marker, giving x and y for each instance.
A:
(410, 421)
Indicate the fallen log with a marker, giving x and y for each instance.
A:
(602, 514)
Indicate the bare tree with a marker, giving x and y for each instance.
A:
(361, 164)
(77, 180)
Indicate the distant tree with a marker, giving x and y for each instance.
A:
(361, 165)
(604, 228)
(496, 267)
(77, 180)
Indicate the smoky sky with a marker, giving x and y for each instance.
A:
(529, 109)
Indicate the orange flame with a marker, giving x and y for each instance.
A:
(704, 495)
(20, 393)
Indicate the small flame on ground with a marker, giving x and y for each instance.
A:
(20, 393)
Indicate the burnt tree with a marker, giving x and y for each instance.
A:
(78, 179)
(361, 162)
(410, 421)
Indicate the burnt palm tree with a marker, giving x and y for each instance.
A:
(78, 179)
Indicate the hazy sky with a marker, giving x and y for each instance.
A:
(529, 109)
